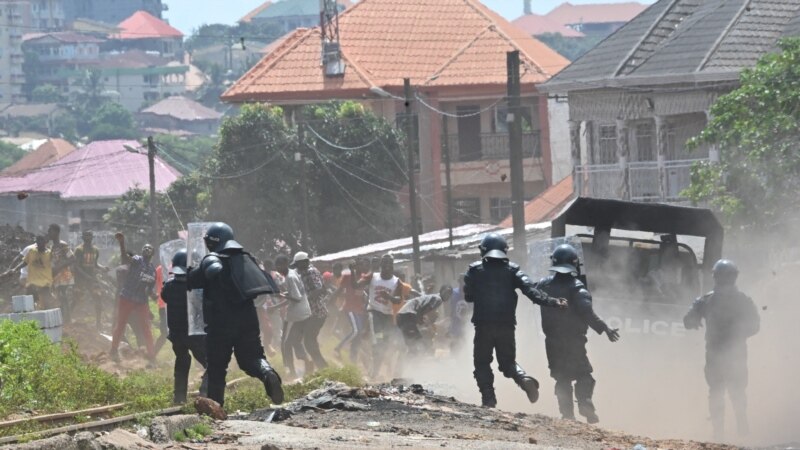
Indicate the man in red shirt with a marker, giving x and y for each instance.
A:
(354, 307)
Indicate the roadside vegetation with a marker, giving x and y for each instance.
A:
(38, 377)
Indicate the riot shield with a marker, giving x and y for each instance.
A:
(165, 253)
(539, 253)
(196, 249)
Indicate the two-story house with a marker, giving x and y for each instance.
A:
(61, 51)
(454, 53)
(636, 98)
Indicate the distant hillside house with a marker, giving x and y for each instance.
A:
(110, 11)
(80, 187)
(136, 78)
(143, 31)
(180, 114)
(61, 51)
(32, 116)
(600, 19)
(289, 14)
(638, 96)
(534, 24)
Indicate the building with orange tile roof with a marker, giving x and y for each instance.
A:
(454, 52)
(47, 152)
(143, 31)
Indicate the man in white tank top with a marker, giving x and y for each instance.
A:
(384, 291)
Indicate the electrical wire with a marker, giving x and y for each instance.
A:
(458, 116)
(331, 144)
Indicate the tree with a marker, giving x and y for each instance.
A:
(357, 166)
(185, 201)
(9, 154)
(186, 154)
(756, 130)
(47, 93)
(112, 121)
(354, 167)
(571, 48)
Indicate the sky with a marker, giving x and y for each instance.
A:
(186, 15)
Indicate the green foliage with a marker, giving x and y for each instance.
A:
(111, 121)
(46, 93)
(195, 433)
(9, 154)
(186, 154)
(756, 130)
(351, 192)
(44, 377)
(571, 48)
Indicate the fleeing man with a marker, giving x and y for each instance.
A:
(422, 310)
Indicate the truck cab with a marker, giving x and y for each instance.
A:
(643, 262)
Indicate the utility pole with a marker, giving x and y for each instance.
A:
(412, 189)
(448, 186)
(151, 161)
(300, 158)
(515, 156)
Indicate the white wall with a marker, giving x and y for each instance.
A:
(558, 116)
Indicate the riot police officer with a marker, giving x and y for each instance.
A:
(731, 318)
(232, 322)
(491, 284)
(565, 334)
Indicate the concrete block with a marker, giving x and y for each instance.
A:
(164, 428)
(49, 318)
(22, 303)
(53, 333)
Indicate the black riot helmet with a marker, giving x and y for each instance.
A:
(217, 236)
(179, 262)
(725, 273)
(565, 260)
(494, 246)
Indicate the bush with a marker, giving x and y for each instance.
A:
(36, 375)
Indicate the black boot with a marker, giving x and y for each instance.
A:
(272, 382)
(527, 383)
(566, 406)
(488, 399)
(586, 408)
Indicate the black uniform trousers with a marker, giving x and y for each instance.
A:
(569, 363)
(494, 338)
(245, 344)
(182, 345)
(411, 334)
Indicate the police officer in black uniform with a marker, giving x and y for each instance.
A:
(232, 323)
(731, 318)
(174, 295)
(491, 284)
(565, 334)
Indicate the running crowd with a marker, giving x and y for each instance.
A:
(369, 315)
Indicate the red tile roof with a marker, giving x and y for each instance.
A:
(546, 205)
(568, 14)
(143, 25)
(535, 24)
(102, 169)
(51, 151)
(434, 42)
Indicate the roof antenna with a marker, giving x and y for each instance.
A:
(331, 49)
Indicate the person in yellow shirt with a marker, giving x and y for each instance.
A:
(40, 273)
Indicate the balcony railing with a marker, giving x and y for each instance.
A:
(492, 146)
(643, 183)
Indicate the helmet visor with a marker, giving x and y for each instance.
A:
(496, 254)
(564, 268)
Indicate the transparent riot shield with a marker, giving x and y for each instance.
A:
(196, 249)
(539, 253)
(165, 253)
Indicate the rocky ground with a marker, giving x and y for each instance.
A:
(386, 416)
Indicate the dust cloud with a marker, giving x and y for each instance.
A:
(653, 385)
